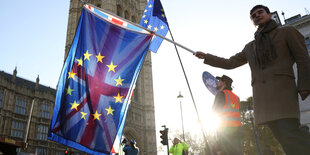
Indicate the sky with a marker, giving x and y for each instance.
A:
(33, 35)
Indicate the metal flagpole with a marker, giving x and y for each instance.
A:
(251, 115)
(180, 98)
(256, 137)
(28, 125)
(152, 32)
(203, 133)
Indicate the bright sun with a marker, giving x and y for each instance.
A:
(211, 122)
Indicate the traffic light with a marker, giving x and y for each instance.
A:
(67, 152)
(164, 136)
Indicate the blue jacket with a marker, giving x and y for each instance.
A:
(130, 151)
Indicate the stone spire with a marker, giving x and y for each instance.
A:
(37, 82)
(14, 75)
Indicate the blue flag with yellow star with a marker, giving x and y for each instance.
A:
(97, 82)
(154, 19)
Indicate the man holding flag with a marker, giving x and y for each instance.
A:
(271, 57)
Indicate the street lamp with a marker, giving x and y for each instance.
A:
(249, 114)
(180, 98)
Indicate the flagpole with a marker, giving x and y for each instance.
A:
(204, 136)
(135, 24)
(28, 125)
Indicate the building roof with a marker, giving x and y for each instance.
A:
(26, 83)
(295, 19)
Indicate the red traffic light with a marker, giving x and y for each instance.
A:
(66, 152)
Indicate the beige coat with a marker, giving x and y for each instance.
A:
(274, 88)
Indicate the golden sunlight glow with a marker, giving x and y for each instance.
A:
(211, 122)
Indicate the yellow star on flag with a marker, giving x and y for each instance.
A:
(155, 29)
(149, 27)
(96, 115)
(145, 11)
(119, 81)
(71, 75)
(87, 55)
(162, 27)
(99, 57)
(80, 62)
(150, 6)
(83, 115)
(74, 105)
(110, 111)
(143, 16)
(163, 15)
(145, 21)
(69, 90)
(118, 98)
(111, 67)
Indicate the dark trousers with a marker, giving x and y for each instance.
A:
(294, 141)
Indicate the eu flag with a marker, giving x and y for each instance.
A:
(96, 83)
(154, 19)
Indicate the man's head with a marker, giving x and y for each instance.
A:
(224, 83)
(132, 142)
(176, 141)
(260, 15)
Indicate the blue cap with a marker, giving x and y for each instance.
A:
(132, 141)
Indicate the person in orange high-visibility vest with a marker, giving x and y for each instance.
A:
(226, 106)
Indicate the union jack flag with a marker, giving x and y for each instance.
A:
(154, 19)
(97, 82)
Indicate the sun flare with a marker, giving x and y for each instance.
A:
(211, 122)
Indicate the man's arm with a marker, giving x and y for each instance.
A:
(296, 44)
(233, 62)
(125, 148)
(171, 150)
(185, 146)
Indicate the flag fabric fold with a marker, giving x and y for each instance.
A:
(154, 19)
(97, 81)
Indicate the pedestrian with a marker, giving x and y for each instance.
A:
(178, 147)
(131, 148)
(271, 56)
(226, 106)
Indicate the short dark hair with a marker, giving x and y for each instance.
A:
(259, 7)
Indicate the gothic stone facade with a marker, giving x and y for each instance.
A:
(16, 98)
(140, 123)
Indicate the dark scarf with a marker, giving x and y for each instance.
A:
(265, 51)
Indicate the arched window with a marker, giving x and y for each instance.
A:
(98, 5)
(307, 39)
(134, 19)
(127, 16)
(119, 10)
